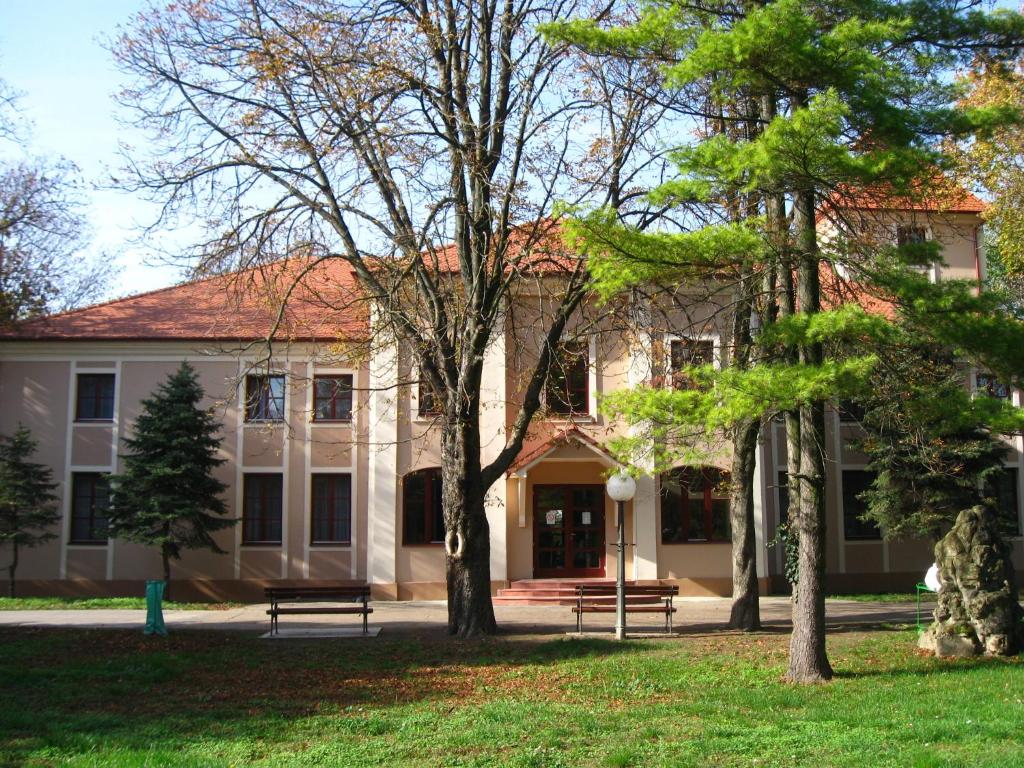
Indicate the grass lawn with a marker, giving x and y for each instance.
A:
(97, 603)
(117, 698)
(886, 597)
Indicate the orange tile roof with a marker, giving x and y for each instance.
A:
(545, 437)
(942, 196)
(325, 305)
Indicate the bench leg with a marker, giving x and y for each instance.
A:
(365, 618)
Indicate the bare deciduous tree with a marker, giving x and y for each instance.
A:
(425, 144)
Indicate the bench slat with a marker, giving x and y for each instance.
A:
(273, 611)
(354, 599)
(629, 609)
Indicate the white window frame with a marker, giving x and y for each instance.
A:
(716, 351)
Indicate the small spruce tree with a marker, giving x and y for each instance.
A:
(167, 495)
(28, 508)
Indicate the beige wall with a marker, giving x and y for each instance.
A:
(37, 383)
(36, 386)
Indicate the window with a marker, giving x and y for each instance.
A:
(684, 353)
(90, 496)
(1002, 489)
(568, 385)
(95, 397)
(428, 404)
(421, 507)
(910, 235)
(989, 385)
(261, 509)
(694, 505)
(332, 398)
(332, 509)
(855, 482)
(264, 398)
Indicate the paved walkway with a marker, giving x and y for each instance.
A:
(695, 615)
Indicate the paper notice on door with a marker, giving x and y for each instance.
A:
(553, 517)
(584, 518)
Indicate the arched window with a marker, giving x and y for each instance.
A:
(694, 505)
(423, 520)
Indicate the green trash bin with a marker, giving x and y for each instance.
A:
(154, 608)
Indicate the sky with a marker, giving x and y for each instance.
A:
(52, 52)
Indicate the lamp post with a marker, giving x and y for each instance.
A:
(621, 487)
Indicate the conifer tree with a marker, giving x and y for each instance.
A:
(28, 509)
(852, 97)
(927, 442)
(167, 496)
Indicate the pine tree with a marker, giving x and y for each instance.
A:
(28, 509)
(167, 495)
(927, 443)
(851, 96)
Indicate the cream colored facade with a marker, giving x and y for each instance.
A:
(384, 442)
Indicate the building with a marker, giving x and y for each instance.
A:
(332, 457)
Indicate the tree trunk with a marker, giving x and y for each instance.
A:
(12, 568)
(467, 534)
(745, 613)
(808, 662)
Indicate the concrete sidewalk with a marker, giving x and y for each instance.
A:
(694, 615)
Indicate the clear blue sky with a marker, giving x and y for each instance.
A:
(51, 51)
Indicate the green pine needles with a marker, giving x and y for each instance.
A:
(167, 495)
(28, 507)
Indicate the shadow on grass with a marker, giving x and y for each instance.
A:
(65, 689)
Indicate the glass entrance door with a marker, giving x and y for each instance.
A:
(568, 531)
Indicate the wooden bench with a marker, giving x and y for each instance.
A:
(293, 597)
(594, 598)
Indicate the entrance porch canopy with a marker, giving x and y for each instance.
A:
(551, 447)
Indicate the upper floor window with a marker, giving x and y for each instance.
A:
(907, 235)
(855, 482)
(989, 385)
(332, 509)
(685, 353)
(264, 398)
(422, 515)
(694, 505)
(332, 398)
(568, 385)
(95, 397)
(261, 508)
(428, 404)
(90, 497)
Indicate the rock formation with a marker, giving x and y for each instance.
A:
(978, 609)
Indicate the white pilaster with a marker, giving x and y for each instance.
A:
(760, 489)
(382, 502)
(645, 518)
(492, 441)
